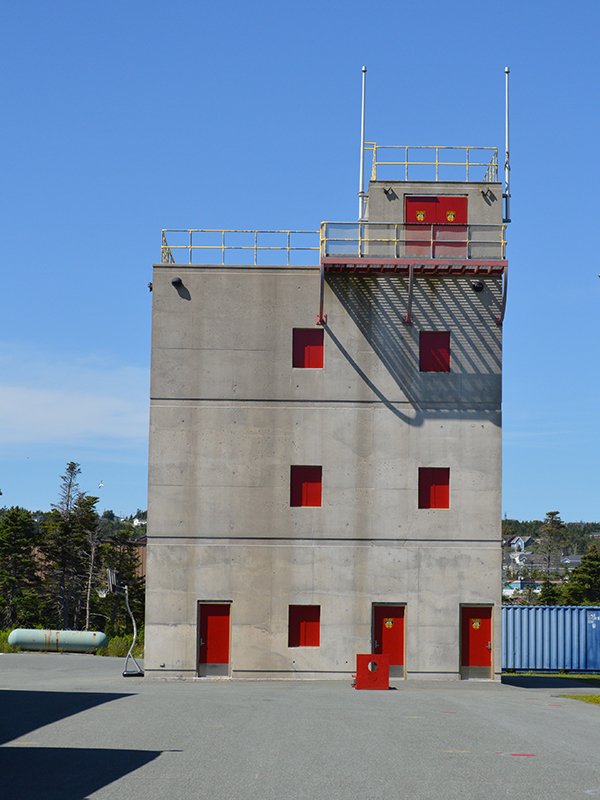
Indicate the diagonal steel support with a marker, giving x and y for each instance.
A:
(321, 318)
(411, 280)
(500, 317)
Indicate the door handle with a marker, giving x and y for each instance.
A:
(489, 645)
(375, 644)
(201, 643)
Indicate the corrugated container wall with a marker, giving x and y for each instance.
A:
(551, 637)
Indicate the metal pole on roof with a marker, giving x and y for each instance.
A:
(361, 179)
(506, 153)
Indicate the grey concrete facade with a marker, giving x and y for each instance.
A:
(230, 415)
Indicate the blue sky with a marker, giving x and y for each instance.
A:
(122, 118)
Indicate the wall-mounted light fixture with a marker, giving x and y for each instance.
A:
(177, 282)
(477, 286)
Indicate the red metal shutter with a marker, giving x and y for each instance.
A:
(451, 210)
(307, 348)
(434, 351)
(304, 626)
(306, 485)
(434, 487)
(436, 226)
(421, 210)
(450, 233)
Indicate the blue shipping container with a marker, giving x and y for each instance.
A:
(551, 638)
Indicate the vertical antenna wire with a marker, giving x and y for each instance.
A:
(361, 176)
(506, 154)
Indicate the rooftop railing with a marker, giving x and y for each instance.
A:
(366, 240)
(238, 246)
(433, 162)
(370, 240)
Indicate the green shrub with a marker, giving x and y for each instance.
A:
(5, 647)
(118, 646)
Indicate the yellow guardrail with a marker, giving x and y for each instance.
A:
(401, 240)
(353, 239)
(482, 161)
(196, 245)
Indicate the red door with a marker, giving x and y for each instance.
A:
(476, 636)
(420, 216)
(436, 227)
(388, 633)
(450, 232)
(213, 627)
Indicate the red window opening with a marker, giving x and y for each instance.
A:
(434, 351)
(307, 348)
(434, 487)
(306, 486)
(304, 626)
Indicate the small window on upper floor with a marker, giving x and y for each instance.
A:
(434, 351)
(307, 348)
(434, 487)
(306, 485)
(304, 626)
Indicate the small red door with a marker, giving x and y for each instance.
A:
(213, 627)
(436, 226)
(420, 216)
(476, 636)
(388, 633)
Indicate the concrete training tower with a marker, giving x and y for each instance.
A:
(325, 487)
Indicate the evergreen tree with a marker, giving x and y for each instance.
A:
(549, 594)
(120, 553)
(64, 549)
(19, 578)
(582, 587)
(551, 540)
(86, 519)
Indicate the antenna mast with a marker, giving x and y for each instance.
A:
(361, 178)
(506, 154)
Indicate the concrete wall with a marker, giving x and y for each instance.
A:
(484, 199)
(345, 579)
(230, 415)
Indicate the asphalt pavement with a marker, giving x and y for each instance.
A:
(72, 727)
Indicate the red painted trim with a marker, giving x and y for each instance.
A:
(367, 263)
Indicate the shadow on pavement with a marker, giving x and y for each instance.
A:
(549, 682)
(65, 773)
(57, 773)
(23, 712)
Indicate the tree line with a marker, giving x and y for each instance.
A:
(53, 564)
